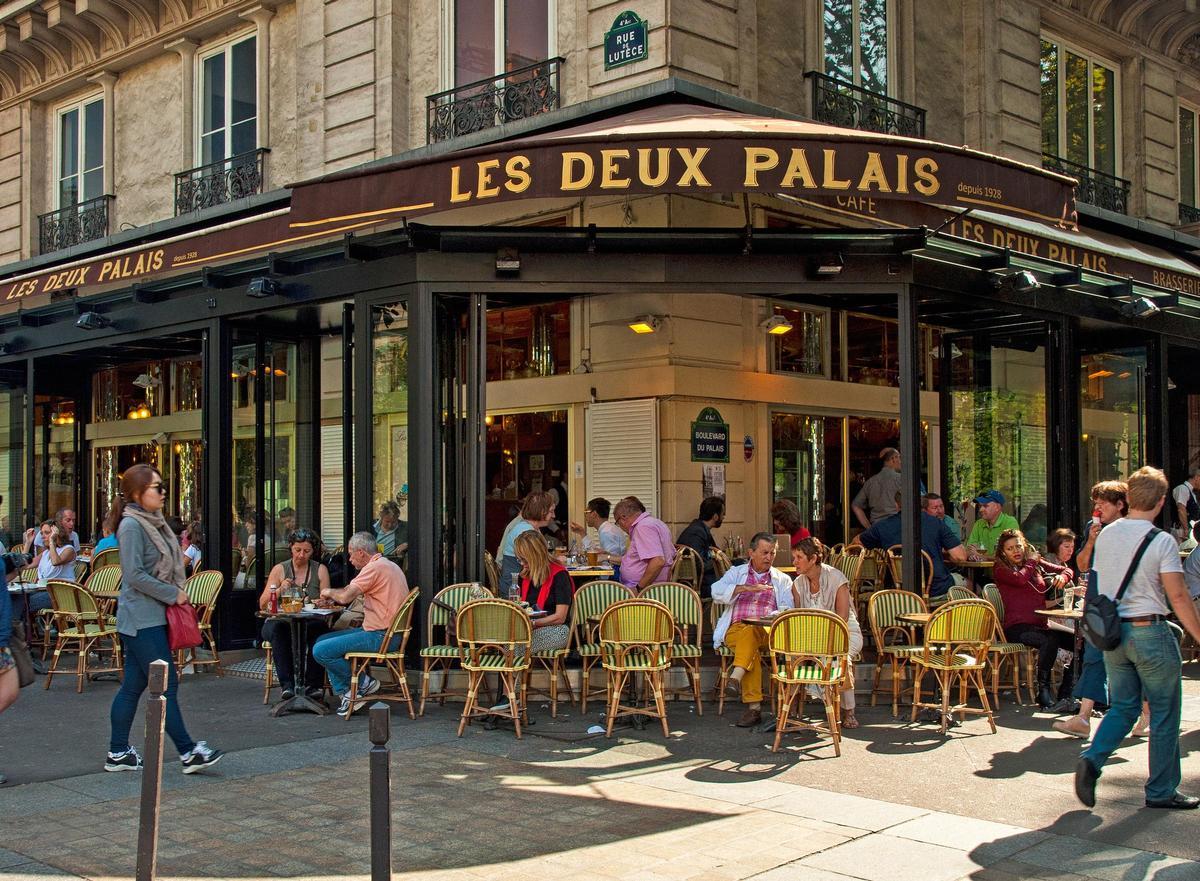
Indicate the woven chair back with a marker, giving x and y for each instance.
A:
(850, 565)
(636, 628)
(838, 549)
(455, 596)
(493, 627)
(107, 557)
(688, 567)
(491, 573)
(26, 576)
(809, 632)
(70, 598)
(203, 587)
(964, 624)
(401, 622)
(959, 593)
(721, 563)
(895, 562)
(883, 608)
(853, 550)
(991, 593)
(590, 602)
(81, 569)
(105, 581)
(684, 605)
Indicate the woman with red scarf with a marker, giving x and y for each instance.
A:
(546, 586)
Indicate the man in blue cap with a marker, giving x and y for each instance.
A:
(992, 521)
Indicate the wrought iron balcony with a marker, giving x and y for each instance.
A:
(1188, 213)
(514, 94)
(1095, 187)
(220, 182)
(73, 225)
(841, 103)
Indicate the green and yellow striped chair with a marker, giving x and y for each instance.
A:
(688, 612)
(202, 589)
(586, 608)
(107, 557)
(553, 662)
(882, 610)
(960, 593)
(688, 568)
(445, 604)
(494, 637)
(955, 650)
(636, 637)
(1018, 653)
(808, 647)
(105, 585)
(81, 629)
(361, 662)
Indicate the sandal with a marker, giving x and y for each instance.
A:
(849, 721)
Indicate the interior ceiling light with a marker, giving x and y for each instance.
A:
(646, 324)
(1016, 283)
(776, 325)
(1140, 307)
(1100, 374)
(146, 381)
(1124, 374)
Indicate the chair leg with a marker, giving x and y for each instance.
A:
(897, 674)
(657, 686)
(270, 678)
(58, 647)
(473, 678)
(401, 677)
(918, 675)
(694, 672)
(553, 688)
(80, 665)
(944, 681)
(978, 676)
(831, 712)
(508, 683)
(355, 668)
(781, 718)
(875, 677)
(615, 685)
(426, 666)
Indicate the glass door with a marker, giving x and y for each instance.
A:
(13, 403)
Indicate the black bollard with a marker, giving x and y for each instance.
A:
(156, 714)
(379, 730)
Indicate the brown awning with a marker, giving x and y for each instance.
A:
(692, 149)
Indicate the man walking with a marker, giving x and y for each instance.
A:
(1147, 659)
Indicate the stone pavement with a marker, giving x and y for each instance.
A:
(710, 802)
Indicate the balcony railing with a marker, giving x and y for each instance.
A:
(73, 225)
(1095, 187)
(220, 182)
(515, 94)
(840, 103)
(1188, 213)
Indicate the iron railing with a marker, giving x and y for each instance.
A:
(1188, 213)
(841, 103)
(1095, 187)
(220, 182)
(512, 95)
(73, 225)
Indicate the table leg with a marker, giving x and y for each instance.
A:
(300, 701)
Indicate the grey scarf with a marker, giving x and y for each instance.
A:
(169, 568)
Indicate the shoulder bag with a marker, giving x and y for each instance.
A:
(1101, 623)
(183, 627)
(22, 659)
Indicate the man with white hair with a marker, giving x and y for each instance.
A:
(383, 587)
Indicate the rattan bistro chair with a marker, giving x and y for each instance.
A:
(361, 662)
(107, 557)
(688, 612)
(896, 567)
(588, 605)
(809, 647)
(688, 567)
(960, 593)
(202, 590)
(721, 563)
(82, 629)
(956, 652)
(635, 637)
(491, 573)
(894, 643)
(494, 636)
(441, 612)
(1001, 650)
(105, 585)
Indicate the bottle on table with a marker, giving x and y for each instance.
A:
(274, 600)
(514, 589)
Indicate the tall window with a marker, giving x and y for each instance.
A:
(228, 102)
(1079, 107)
(1188, 176)
(496, 36)
(80, 152)
(856, 42)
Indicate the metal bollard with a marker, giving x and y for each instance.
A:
(156, 714)
(379, 730)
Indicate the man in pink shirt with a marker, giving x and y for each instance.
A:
(651, 549)
(383, 587)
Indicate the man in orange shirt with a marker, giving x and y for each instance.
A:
(382, 585)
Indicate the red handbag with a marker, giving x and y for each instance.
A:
(183, 627)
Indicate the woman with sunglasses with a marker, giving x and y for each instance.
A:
(151, 579)
(309, 574)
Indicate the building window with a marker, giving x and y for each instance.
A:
(529, 341)
(1079, 107)
(80, 153)
(228, 102)
(856, 38)
(1189, 198)
(804, 348)
(492, 37)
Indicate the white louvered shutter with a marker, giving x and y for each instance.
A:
(332, 488)
(622, 451)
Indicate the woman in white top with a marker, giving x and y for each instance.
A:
(57, 559)
(820, 586)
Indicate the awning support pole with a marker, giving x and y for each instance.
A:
(910, 438)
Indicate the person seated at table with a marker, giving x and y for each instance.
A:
(64, 519)
(383, 587)
(985, 534)
(610, 540)
(193, 549)
(1019, 576)
(750, 590)
(1060, 547)
(390, 531)
(651, 552)
(536, 511)
(546, 586)
(108, 540)
(786, 520)
(936, 540)
(820, 586)
(302, 570)
(698, 536)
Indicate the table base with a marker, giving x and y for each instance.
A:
(300, 703)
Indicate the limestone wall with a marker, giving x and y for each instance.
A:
(11, 189)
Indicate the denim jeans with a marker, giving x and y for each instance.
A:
(330, 652)
(1092, 682)
(1147, 662)
(1047, 642)
(150, 644)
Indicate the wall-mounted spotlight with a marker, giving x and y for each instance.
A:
(263, 286)
(92, 321)
(1140, 307)
(646, 324)
(827, 265)
(1016, 283)
(776, 325)
(508, 261)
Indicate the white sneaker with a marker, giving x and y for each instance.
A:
(202, 756)
(126, 761)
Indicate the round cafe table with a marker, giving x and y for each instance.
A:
(298, 623)
(973, 566)
(915, 619)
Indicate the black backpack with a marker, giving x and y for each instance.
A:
(1101, 623)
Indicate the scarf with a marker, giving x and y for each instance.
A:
(169, 568)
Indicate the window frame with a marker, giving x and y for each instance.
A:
(826, 339)
(856, 54)
(450, 33)
(1092, 58)
(1194, 110)
(62, 110)
(224, 47)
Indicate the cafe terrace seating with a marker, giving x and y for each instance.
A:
(688, 567)
(955, 651)
(105, 585)
(439, 656)
(809, 647)
(894, 641)
(495, 635)
(1017, 653)
(589, 604)
(202, 589)
(895, 564)
(361, 662)
(81, 629)
(688, 614)
(635, 637)
(107, 557)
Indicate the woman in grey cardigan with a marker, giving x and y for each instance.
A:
(151, 579)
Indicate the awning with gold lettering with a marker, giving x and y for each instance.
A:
(692, 149)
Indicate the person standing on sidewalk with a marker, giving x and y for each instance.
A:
(1147, 659)
(151, 579)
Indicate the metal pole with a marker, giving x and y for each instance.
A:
(910, 438)
(379, 730)
(156, 714)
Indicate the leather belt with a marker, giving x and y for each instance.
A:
(1144, 620)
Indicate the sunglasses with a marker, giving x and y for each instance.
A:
(158, 486)
(303, 535)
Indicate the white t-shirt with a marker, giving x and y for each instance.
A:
(1115, 547)
(193, 553)
(1183, 493)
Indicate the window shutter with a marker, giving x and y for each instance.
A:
(622, 451)
(332, 488)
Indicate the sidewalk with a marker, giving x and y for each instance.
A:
(710, 802)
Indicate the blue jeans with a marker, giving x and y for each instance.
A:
(1147, 662)
(150, 644)
(1092, 682)
(330, 652)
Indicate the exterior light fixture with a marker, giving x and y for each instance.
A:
(776, 325)
(488, 419)
(827, 265)
(92, 321)
(1140, 307)
(646, 324)
(1016, 283)
(263, 287)
(508, 261)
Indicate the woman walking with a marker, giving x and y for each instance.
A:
(151, 579)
